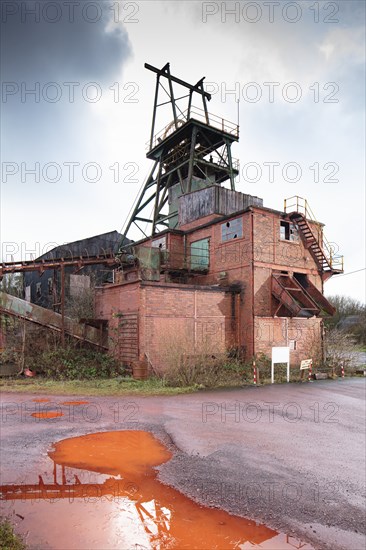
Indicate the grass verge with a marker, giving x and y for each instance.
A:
(113, 386)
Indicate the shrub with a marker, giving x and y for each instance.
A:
(340, 347)
(71, 364)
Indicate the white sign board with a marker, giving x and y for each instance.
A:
(305, 364)
(280, 355)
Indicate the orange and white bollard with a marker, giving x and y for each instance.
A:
(342, 370)
(310, 371)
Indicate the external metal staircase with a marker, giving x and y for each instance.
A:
(324, 253)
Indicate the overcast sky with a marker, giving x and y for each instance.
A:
(77, 105)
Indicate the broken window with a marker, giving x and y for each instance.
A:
(38, 290)
(159, 243)
(288, 232)
(200, 254)
(232, 229)
(50, 286)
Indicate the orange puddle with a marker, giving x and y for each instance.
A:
(47, 414)
(75, 403)
(41, 400)
(128, 453)
(126, 506)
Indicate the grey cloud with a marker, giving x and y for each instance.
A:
(64, 49)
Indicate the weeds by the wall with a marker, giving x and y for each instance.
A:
(75, 364)
(8, 539)
(182, 362)
(43, 354)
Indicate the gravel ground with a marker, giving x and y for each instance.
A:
(291, 456)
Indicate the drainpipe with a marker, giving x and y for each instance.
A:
(185, 251)
(195, 320)
(286, 328)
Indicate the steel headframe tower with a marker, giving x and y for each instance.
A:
(192, 152)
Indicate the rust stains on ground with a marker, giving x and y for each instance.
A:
(75, 403)
(41, 400)
(47, 414)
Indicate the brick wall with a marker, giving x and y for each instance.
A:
(181, 319)
(172, 316)
(170, 319)
(280, 331)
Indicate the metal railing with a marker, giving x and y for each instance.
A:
(301, 205)
(213, 120)
(195, 113)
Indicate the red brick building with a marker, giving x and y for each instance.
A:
(219, 271)
(249, 279)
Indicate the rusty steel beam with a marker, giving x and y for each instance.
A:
(17, 307)
(109, 260)
(165, 71)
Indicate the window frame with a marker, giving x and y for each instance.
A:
(290, 230)
(199, 266)
(225, 236)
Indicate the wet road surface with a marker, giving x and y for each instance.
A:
(291, 457)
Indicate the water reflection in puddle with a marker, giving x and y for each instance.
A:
(104, 493)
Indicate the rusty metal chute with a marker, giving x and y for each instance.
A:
(300, 299)
(16, 307)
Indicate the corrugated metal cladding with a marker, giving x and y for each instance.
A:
(41, 287)
(213, 200)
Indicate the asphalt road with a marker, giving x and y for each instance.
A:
(290, 456)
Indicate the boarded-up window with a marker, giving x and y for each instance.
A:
(232, 229)
(200, 254)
